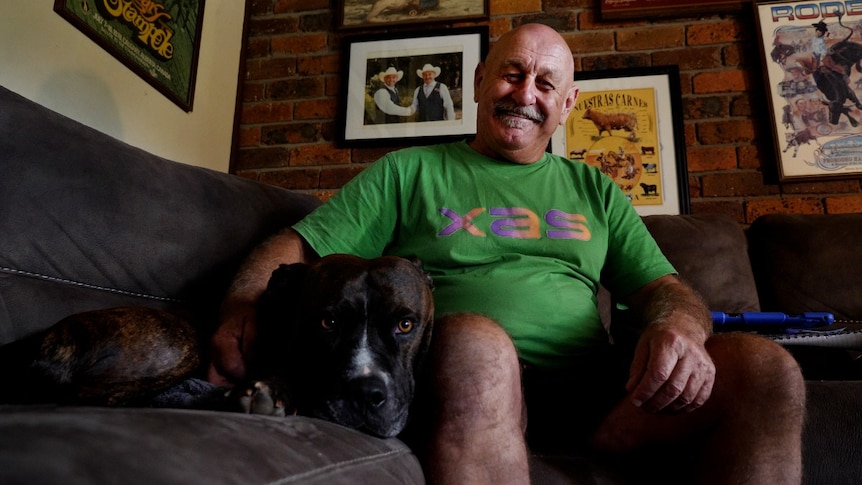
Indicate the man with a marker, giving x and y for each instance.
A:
(387, 99)
(513, 287)
(818, 42)
(820, 52)
(432, 100)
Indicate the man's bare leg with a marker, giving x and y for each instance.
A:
(751, 426)
(478, 434)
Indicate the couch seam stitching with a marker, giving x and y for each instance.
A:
(85, 285)
(333, 466)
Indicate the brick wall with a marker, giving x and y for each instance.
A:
(290, 98)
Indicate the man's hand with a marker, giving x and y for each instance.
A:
(231, 345)
(670, 372)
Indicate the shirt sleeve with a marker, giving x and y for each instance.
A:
(384, 102)
(361, 218)
(634, 258)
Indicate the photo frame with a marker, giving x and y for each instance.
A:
(813, 87)
(368, 14)
(628, 123)
(373, 115)
(160, 45)
(645, 9)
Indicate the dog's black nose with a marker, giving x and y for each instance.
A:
(368, 391)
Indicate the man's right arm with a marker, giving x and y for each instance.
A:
(384, 102)
(233, 339)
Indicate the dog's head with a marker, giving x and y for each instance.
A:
(347, 335)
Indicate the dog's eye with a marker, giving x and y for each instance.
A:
(327, 323)
(405, 325)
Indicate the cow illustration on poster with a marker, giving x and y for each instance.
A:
(615, 130)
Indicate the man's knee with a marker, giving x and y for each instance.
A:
(473, 336)
(750, 365)
(471, 353)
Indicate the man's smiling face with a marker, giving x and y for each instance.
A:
(525, 90)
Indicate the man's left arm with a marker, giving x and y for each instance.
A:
(671, 370)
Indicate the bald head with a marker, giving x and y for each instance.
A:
(538, 38)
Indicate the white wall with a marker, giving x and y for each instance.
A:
(46, 59)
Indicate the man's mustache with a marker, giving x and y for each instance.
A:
(510, 108)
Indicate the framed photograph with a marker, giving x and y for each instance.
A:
(158, 40)
(386, 13)
(404, 89)
(645, 9)
(811, 54)
(628, 123)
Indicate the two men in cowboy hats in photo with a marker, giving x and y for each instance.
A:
(431, 100)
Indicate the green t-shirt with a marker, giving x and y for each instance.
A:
(523, 244)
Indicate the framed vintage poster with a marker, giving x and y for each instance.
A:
(386, 13)
(157, 39)
(401, 89)
(628, 123)
(811, 54)
(644, 9)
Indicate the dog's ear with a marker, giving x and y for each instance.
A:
(283, 288)
(282, 293)
(286, 280)
(276, 313)
(417, 263)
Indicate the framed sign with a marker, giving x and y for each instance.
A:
(157, 39)
(811, 54)
(405, 88)
(628, 123)
(644, 9)
(386, 13)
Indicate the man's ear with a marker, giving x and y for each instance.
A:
(477, 80)
(569, 104)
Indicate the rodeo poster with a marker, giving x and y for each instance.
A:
(159, 40)
(813, 58)
(622, 125)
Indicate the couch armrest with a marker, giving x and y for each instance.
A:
(90, 222)
(807, 262)
(710, 254)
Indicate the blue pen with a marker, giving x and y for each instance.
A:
(772, 319)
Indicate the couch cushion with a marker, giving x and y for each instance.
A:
(710, 254)
(71, 445)
(90, 222)
(831, 438)
(808, 263)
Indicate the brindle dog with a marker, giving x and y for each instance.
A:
(340, 339)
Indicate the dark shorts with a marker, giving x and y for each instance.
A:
(564, 407)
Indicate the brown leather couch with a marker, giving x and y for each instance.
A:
(88, 222)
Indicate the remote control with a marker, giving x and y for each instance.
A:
(750, 320)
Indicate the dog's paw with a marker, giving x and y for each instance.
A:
(262, 397)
